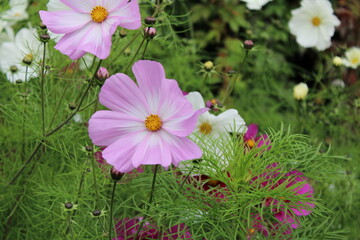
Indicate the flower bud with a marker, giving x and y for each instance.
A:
(127, 51)
(19, 81)
(213, 104)
(300, 91)
(248, 44)
(27, 60)
(13, 68)
(89, 148)
(96, 213)
(337, 61)
(149, 32)
(122, 33)
(68, 205)
(72, 106)
(150, 21)
(102, 74)
(115, 174)
(42, 26)
(44, 37)
(209, 65)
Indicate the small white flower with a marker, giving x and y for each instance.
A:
(300, 91)
(25, 44)
(255, 4)
(352, 59)
(211, 133)
(17, 12)
(314, 24)
(337, 61)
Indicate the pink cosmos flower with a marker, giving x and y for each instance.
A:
(148, 123)
(89, 25)
(251, 138)
(128, 227)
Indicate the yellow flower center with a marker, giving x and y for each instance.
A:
(251, 231)
(99, 14)
(355, 60)
(153, 123)
(316, 21)
(29, 56)
(250, 143)
(205, 128)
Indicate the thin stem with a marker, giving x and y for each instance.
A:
(92, 159)
(111, 209)
(62, 97)
(24, 116)
(150, 201)
(132, 60)
(146, 45)
(27, 162)
(94, 101)
(183, 182)
(55, 129)
(42, 91)
(129, 43)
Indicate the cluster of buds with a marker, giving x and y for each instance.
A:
(149, 31)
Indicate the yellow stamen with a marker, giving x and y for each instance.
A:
(316, 21)
(205, 128)
(153, 123)
(355, 60)
(250, 143)
(213, 101)
(29, 56)
(251, 231)
(213, 183)
(99, 14)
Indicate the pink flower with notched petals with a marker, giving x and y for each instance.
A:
(89, 25)
(148, 123)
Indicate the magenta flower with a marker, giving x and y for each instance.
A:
(128, 227)
(148, 123)
(89, 25)
(251, 138)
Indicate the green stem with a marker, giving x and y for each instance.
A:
(111, 209)
(92, 159)
(24, 116)
(150, 201)
(146, 45)
(42, 91)
(132, 60)
(129, 43)
(55, 129)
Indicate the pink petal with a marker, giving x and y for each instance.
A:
(151, 151)
(105, 127)
(64, 21)
(127, 13)
(182, 148)
(83, 6)
(119, 153)
(120, 93)
(251, 132)
(149, 75)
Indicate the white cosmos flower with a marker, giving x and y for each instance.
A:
(255, 4)
(211, 133)
(352, 57)
(213, 126)
(314, 24)
(25, 44)
(17, 12)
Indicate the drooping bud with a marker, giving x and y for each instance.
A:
(44, 37)
(102, 74)
(13, 68)
(150, 21)
(42, 26)
(68, 205)
(122, 33)
(248, 44)
(300, 91)
(115, 174)
(149, 32)
(208, 66)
